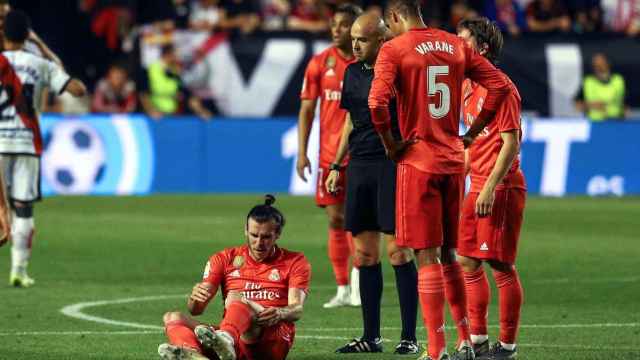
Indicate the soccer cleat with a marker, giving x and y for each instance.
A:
(173, 352)
(219, 341)
(497, 352)
(481, 350)
(361, 346)
(425, 356)
(23, 281)
(341, 298)
(407, 347)
(464, 353)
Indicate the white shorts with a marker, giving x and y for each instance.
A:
(21, 174)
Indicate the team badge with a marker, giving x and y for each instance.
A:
(238, 261)
(331, 62)
(275, 275)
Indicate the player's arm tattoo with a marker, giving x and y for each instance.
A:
(293, 311)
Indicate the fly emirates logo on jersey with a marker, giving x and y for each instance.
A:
(254, 291)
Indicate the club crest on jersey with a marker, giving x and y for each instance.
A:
(274, 275)
(331, 62)
(238, 261)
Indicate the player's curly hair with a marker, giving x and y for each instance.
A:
(267, 212)
(16, 26)
(486, 32)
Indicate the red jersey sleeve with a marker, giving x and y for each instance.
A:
(480, 70)
(311, 84)
(508, 116)
(214, 270)
(382, 87)
(300, 274)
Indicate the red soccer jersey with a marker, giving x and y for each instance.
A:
(323, 78)
(426, 67)
(484, 151)
(266, 283)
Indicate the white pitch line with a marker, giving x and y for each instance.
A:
(301, 337)
(76, 311)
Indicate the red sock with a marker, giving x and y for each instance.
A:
(431, 292)
(237, 319)
(456, 297)
(478, 294)
(339, 255)
(180, 334)
(510, 302)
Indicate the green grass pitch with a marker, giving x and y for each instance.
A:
(578, 261)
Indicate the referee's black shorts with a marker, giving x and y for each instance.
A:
(371, 196)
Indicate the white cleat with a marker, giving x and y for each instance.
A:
(23, 281)
(173, 352)
(217, 340)
(354, 297)
(342, 298)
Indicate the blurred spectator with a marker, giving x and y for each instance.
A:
(166, 90)
(587, 15)
(602, 95)
(274, 14)
(309, 15)
(622, 16)
(507, 14)
(115, 93)
(182, 13)
(241, 15)
(460, 10)
(547, 16)
(205, 15)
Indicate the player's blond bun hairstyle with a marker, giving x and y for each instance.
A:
(267, 212)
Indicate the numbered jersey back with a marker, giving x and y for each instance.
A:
(21, 134)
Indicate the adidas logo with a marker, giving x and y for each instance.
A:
(235, 273)
(484, 247)
(330, 72)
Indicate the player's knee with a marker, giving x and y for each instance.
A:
(448, 255)
(469, 264)
(172, 316)
(500, 266)
(336, 221)
(399, 256)
(366, 257)
(428, 256)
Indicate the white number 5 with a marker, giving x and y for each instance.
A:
(434, 87)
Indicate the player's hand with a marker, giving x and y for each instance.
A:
(201, 292)
(269, 317)
(332, 182)
(484, 203)
(400, 147)
(302, 164)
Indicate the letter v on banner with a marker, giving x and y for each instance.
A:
(261, 94)
(558, 136)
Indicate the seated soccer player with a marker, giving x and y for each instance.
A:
(264, 288)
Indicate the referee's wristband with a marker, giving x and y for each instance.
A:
(335, 166)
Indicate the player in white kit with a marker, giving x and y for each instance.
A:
(20, 138)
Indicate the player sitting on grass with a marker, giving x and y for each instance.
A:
(264, 288)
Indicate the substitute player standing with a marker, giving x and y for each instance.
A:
(20, 138)
(424, 68)
(323, 79)
(264, 288)
(370, 197)
(493, 209)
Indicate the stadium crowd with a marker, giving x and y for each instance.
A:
(118, 83)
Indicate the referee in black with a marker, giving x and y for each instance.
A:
(370, 203)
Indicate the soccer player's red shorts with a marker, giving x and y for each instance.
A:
(427, 208)
(274, 344)
(324, 198)
(494, 237)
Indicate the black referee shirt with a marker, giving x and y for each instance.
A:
(364, 142)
